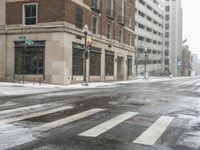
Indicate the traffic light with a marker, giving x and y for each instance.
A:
(89, 41)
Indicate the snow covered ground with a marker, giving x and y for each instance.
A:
(10, 88)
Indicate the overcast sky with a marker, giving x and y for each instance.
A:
(191, 24)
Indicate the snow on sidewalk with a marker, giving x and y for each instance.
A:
(10, 88)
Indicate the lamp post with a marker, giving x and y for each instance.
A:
(145, 63)
(85, 29)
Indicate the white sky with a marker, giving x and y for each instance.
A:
(191, 24)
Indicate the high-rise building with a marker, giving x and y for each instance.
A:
(173, 37)
(194, 60)
(149, 36)
(45, 39)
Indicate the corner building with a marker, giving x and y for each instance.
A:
(56, 29)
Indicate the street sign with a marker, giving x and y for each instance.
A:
(29, 42)
(22, 37)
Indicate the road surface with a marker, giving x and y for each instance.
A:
(134, 116)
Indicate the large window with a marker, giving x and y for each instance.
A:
(109, 31)
(109, 63)
(78, 59)
(109, 11)
(30, 14)
(79, 18)
(129, 65)
(129, 39)
(29, 61)
(95, 61)
(94, 25)
(120, 35)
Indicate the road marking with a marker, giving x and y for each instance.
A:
(36, 114)
(187, 82)
(183, 116)
(100, 129)
(24, 108)
(67, 120)
(154, 132)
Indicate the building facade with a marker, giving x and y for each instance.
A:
(149, 31)
(173, 37)
(55, 40)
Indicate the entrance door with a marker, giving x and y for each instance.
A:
(120, 68)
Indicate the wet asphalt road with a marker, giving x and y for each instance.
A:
(177, 99)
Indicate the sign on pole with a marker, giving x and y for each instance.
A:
(23, 38)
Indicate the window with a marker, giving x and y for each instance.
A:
(129, 20)
(109, 11)
(121, 8)
(95, 61)
(78, 59)
(109, 63)
(120, 35)
(29, 61)
(167, 26)
(94, 25)
(166, 52)
(167, 8)
(129, 39)
(129, 65)
(166, 17)
(109, 31)
(30, 14)
(166, 61)
(95, 4)
(121, 18)
(166, 34)
(79, 18)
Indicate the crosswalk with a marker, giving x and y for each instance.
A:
(148, 137)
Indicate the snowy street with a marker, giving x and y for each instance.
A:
(155, 114)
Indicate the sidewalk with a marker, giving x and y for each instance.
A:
(10, 88)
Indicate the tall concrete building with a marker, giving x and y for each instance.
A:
(195, 63)
(55, 40)
(173, 37)
(149, 33)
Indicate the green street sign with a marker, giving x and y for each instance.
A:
(29, 42)
(23, 38)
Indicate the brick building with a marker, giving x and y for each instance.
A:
(56, 29)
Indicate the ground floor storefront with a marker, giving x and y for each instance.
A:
(57, 58)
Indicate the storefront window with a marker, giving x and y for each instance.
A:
(109, 63)
(78, 59)
(29, 60)
(95, 62)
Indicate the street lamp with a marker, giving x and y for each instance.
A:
(145, 63)
(85, 30)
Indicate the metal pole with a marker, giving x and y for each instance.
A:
(84, 60)
(24, 60)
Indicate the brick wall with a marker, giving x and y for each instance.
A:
(64, 10)
(52, 12)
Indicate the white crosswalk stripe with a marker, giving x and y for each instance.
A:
(100, 129)
(148, 137)
(67, 120)
(154, 132)
(36, 114)
(186, 83)
(23, 108)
